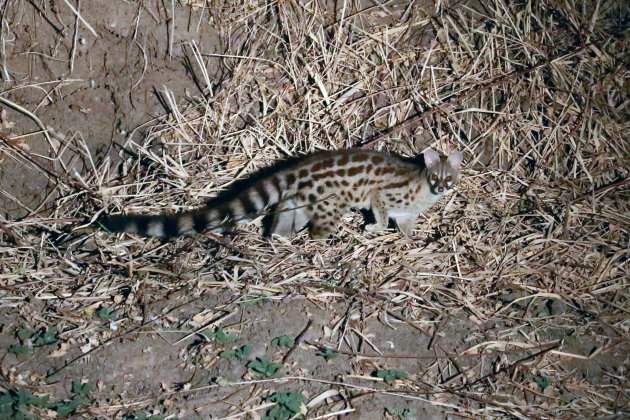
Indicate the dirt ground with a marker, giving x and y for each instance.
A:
(451, 310)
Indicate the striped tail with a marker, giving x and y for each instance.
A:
(245, 199)
(165, 225)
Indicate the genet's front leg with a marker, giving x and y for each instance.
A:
(380, 215)
(406, 224)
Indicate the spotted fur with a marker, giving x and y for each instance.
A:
(316, 191)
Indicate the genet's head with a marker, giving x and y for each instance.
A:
(442, 171)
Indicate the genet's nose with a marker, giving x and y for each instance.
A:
(441, 189)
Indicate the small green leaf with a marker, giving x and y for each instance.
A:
(219, 335)
(207, 334)
(391, 375)
(23, 397)
(327, 354)
(253, 300)
(287, 405)
(24, 333)
(240, 353)
(406, 413)
(284, 341)
(35, 401)
(227, 354)
(106, 314)
(526, 205)
(6, 404)
(244, 351)
(141, 416)
(542, 382)
(14, 402)
(20, 349)
(45, 337)
(264, 366)
(81, 389)
(222, 337)
(65, 408)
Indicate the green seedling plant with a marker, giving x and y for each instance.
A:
(30, 339)
(79, 398)
(219, 335)
(284, 341)
(267, 368)
(542, 382)
(391, 375)
(327, 353)
(241, 353)
(106, 314)
(141, 416)
(404, 414)
(15, 403)
(287, 405)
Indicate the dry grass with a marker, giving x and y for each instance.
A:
(534, 241)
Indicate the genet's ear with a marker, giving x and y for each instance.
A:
(431, 157)
(455, 159)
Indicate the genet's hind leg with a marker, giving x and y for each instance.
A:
(289, 218)
(325, 217)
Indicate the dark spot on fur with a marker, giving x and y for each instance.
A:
(305, 184)
(355, 170)
(290, 181)
(327, 174)
(395, 185)
(360, 157)
(323, 164)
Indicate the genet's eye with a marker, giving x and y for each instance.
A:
(433, 177)
(448, 178)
